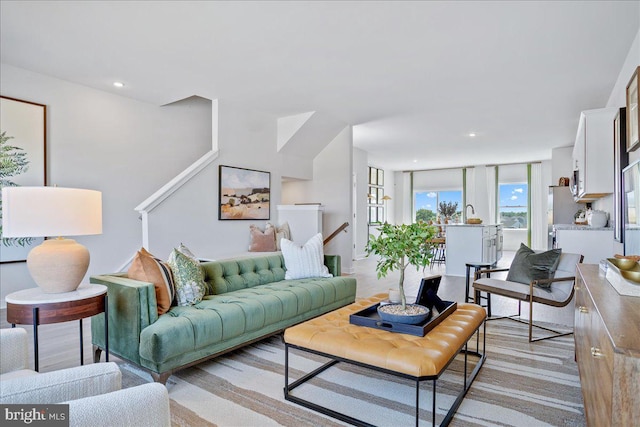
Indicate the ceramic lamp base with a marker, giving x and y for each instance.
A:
(58, 265)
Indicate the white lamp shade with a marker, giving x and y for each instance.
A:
(50, 212)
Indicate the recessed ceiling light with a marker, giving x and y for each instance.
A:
(415, 161)
(472, 134)
(118, 84)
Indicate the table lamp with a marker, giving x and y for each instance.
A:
(58, 264)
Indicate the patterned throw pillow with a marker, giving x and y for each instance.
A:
(305, 261)
(185, 250)
(282, 232)
(147, 268)
(189, 279)
(262, 241)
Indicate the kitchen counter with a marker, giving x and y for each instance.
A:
(579, 227)
(595, 243)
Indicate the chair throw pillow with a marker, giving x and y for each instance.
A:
(528, 265)
(147, 268)
(262, 241)
(306, 261)
(189, 279)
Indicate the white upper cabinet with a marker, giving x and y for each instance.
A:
(593, 154)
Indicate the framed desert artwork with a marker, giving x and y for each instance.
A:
(633, 112)
(23, 148)
(244, 194)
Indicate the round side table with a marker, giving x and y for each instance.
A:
(34, 307)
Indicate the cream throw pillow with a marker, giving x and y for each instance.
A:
(282, 232)
(305, 261)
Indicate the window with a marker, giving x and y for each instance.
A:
(434, 205)
(513, 205)
(376, 196)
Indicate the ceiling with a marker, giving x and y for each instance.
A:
(413, 78)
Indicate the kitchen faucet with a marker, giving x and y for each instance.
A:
(473, 211)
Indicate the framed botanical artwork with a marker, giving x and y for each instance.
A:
(23, 153)
(633, 112)
(243, 194)
(620, 161)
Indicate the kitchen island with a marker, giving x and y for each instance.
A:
(471, 243)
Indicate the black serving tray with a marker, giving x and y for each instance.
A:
(369, 317)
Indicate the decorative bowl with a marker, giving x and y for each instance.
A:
(631, 276)
(624, 263)
(474, 221)
(386, 313)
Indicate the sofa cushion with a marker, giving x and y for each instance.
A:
(240, 273)
(189, 280)
(305, 261)
(219, 318)
(146, 268)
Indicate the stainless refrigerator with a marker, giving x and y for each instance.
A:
(561, 209)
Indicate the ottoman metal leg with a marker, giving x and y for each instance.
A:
(466, 385)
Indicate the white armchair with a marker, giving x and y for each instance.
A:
(93, 392)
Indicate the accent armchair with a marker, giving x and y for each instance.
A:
(93, 392)
(559, 294)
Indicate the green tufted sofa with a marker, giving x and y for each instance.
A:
(247, 300)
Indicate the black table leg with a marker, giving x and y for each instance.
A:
(81, 344)
(36, 320)
(466, 293)
(106, 325)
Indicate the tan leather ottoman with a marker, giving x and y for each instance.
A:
(408, 356)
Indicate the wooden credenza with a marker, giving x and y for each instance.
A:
(607, 337)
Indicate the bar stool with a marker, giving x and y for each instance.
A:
(438, 250)
(477, 266)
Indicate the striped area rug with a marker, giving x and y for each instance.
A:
(520, 384)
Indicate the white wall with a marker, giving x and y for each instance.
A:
(331, 186)
(190, 216)
(360, 226)
(389, 190)
(561, 163)
(129, 149)
(618, 98)
(124, 148)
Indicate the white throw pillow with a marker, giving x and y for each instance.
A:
(305, 261)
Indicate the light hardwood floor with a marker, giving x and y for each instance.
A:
(59, 343)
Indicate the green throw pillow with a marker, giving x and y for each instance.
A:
(188, 278)
(528, 265)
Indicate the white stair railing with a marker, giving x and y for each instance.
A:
(156, 199)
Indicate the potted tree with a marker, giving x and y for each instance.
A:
(447, 210)
(398, 247)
